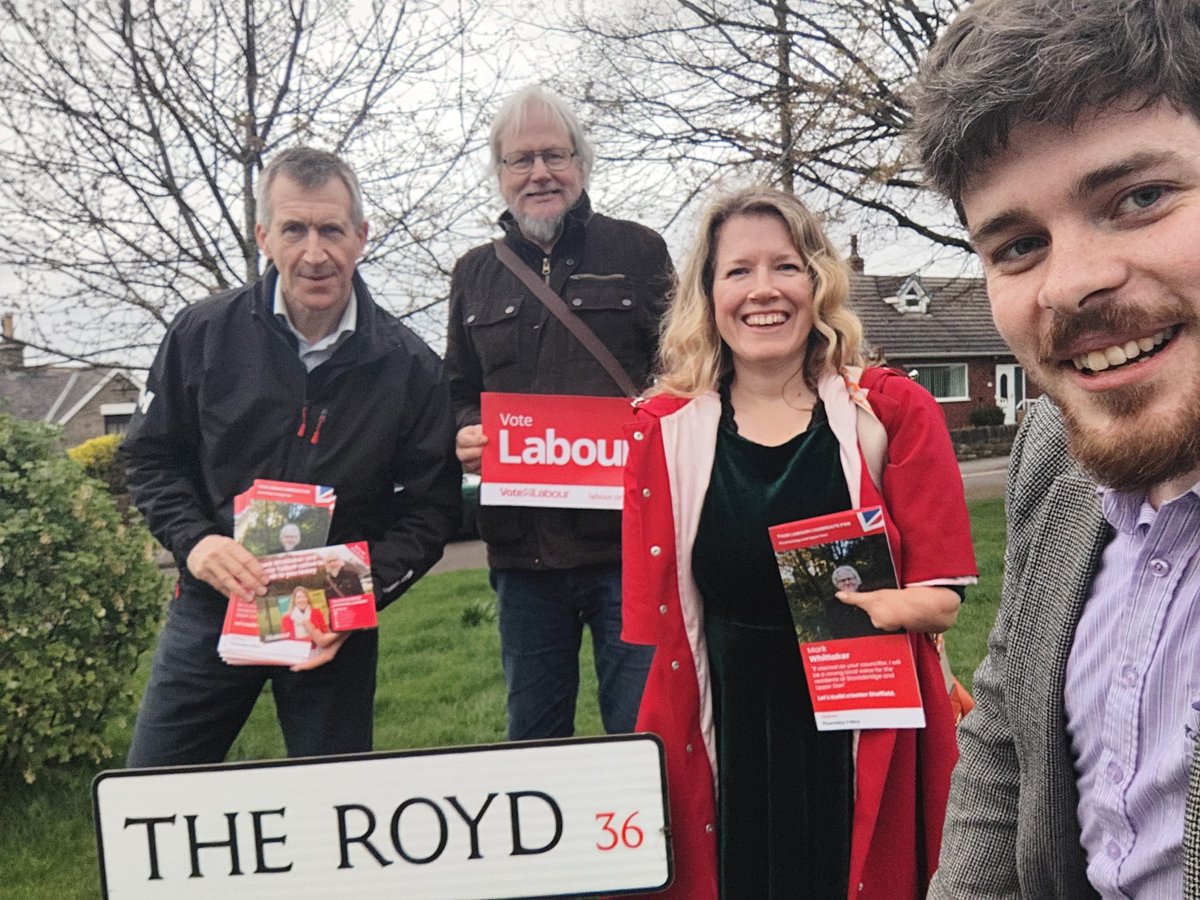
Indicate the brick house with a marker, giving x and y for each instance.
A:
(941, 330)
(84, 401)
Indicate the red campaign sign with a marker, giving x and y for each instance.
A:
(554, 450)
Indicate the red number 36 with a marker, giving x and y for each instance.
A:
(629, 835)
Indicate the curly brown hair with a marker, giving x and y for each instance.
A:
(1004, 62)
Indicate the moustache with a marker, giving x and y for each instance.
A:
(1112, 321)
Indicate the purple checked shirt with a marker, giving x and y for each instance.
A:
(1132, 692)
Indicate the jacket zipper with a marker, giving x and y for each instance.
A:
(297, 469)
(316, 435)
(546, 268)
(297, 465)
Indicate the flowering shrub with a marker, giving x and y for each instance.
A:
(99, 458)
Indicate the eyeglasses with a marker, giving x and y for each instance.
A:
(555, 158)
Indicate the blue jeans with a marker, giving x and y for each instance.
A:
(542, 614)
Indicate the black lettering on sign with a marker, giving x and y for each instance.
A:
(259, 841)
(196, 845)
(152, 840)
(514, 803)
(443, 828)
(344, 839)
(472, 822)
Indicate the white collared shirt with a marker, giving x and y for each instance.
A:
(318, 351)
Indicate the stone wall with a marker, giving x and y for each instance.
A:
(984, 441)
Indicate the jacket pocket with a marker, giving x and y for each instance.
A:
(494, 332)
(607, 304)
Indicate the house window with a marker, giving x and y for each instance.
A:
(116, 424)
(948, 382)
(911, 296)
(117, 417)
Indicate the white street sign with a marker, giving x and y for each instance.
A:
(532, 819)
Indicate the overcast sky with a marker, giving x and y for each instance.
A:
(525, 46)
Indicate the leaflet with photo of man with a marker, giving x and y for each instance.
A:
(281, 516)
(315, 591)
(858, 675)
(312, 594)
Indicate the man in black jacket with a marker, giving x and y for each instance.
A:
(554, 569)
(296, 377)
(340, 580)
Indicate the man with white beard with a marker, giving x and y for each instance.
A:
(554, 570)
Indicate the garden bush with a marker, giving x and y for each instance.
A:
(82, 599)
(100, 459)
(986, 415)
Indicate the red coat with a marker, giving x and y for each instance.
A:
(901, 776)
(316, 619)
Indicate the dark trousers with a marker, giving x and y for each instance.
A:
(542, 614)
(195, 704)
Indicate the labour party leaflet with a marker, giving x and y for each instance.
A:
(858, 676)
(311, 592)
(553, 450)
(314, 589)
(278, 516)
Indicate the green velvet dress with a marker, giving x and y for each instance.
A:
(785, 799)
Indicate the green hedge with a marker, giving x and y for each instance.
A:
(982, 416)
(82, 599)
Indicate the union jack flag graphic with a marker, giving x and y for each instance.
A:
(324, 496)
(871, 519)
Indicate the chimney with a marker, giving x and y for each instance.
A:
(857, 263)
(12, 351)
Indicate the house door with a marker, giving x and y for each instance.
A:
(1010, 390)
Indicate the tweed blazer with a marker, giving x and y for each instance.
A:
(1011, 826)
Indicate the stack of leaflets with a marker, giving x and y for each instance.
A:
(314, 589)
(858, 676)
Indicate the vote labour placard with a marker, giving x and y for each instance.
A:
(575, 817)
(554, 450)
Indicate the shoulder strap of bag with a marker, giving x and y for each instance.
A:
(573, 323)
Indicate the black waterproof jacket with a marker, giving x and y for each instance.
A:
(615, 275)
(228, 400)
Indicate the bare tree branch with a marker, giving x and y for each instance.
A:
(804, 94)
(135, 131)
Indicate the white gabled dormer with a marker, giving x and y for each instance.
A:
(911, 296)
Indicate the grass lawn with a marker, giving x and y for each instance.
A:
(439, 685)
(966, 643)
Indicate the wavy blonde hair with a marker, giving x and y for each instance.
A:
(692, 358)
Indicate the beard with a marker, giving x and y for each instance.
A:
(1140, 443)
(1136, 458)
(540, 230)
